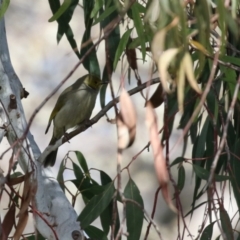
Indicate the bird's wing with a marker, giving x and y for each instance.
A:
(58, 106)
(62, 99)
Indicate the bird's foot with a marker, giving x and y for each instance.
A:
(66, 137)
(88, 123)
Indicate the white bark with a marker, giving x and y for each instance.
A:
(49, 199)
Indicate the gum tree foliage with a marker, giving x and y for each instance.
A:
(193, 48)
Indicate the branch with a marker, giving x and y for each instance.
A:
(84, 126)
(49, 200)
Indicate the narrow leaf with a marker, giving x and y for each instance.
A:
(139, 27)
(127, 121)
(204, 174)
(95, 233)
(121, 47)
(181, 178)
(157, 98)
(82, 161)
(61, 10)
(60, 176)
(96, 206)
(134, 214)
(8, 221)
(163, 65)
(226, 224)
(207, 233)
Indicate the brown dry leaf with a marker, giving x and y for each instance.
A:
(181, 87)
(199, 46)
(8, 222)
(163, 65)
(123, 134)
(132, 57)
(188, 67)
(158, 44)
(17, 180)
(159, 159)
(22, 222)
(126, 121)
(157, 98)
(27, 195)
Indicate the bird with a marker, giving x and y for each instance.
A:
(74, 106)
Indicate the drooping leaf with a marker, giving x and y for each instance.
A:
(90, 62)
(207, 232)
(105, 14)
(60, 11)
(126, 121)
(60, 178)
(106, 215)
(226, 224)
(134, 214)
(96, 206)
(95, 233)
(103, 89)
(63, 23)
(97, 5)
(181, 178)
(139, 27)
(82, 161)
(157, 98)
(177, 160)
(8, 221)
(204, 174)
(121, 47)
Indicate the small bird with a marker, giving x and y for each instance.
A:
(73, 107)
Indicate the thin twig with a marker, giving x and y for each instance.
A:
(223, 140)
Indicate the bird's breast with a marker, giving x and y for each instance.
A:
(77, 109)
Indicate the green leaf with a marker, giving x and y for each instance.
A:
(139, 28)
(63, 23)
(60, 11)
(121, 47)
(207, 232)
(177, 160)
(105, 179)
(16, 174)
(95, 233)
(204, 174)
(105, 14)
(181, 178)
(106, 216)
(194, 208)
(236, 191)
(97, 6)
(35, 236)
(4, 7)
(91, 62)
(96, 206)
(82, 183)
(202, 140)
(226, 224)
(60, 176)
(82, 161)
(230, 59)
(103, 89)
(134, 214)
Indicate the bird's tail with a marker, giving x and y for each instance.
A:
(51, 157)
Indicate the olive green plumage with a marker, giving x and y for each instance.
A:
(74, 106)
